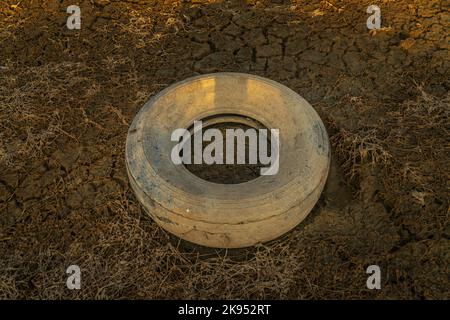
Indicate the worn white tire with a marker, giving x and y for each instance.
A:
(227, 215)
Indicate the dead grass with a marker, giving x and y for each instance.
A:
(32, 98)
(419, 139)
(358, 149)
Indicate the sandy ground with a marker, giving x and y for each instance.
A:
(68, 97)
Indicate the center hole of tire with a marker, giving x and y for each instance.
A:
(228, 173)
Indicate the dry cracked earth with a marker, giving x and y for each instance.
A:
(67, 98)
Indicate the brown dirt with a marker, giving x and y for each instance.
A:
(68, 97)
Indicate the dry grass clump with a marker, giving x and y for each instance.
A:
(8, 22)
(419, 140)
(408, 135)
(149, 26)
(423, 122)
(32, 100)
(8, 289)
(360, 148)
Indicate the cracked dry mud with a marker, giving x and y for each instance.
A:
(68, 97)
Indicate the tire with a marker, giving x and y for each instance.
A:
(227, 215)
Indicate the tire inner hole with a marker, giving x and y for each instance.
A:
(228, 173)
